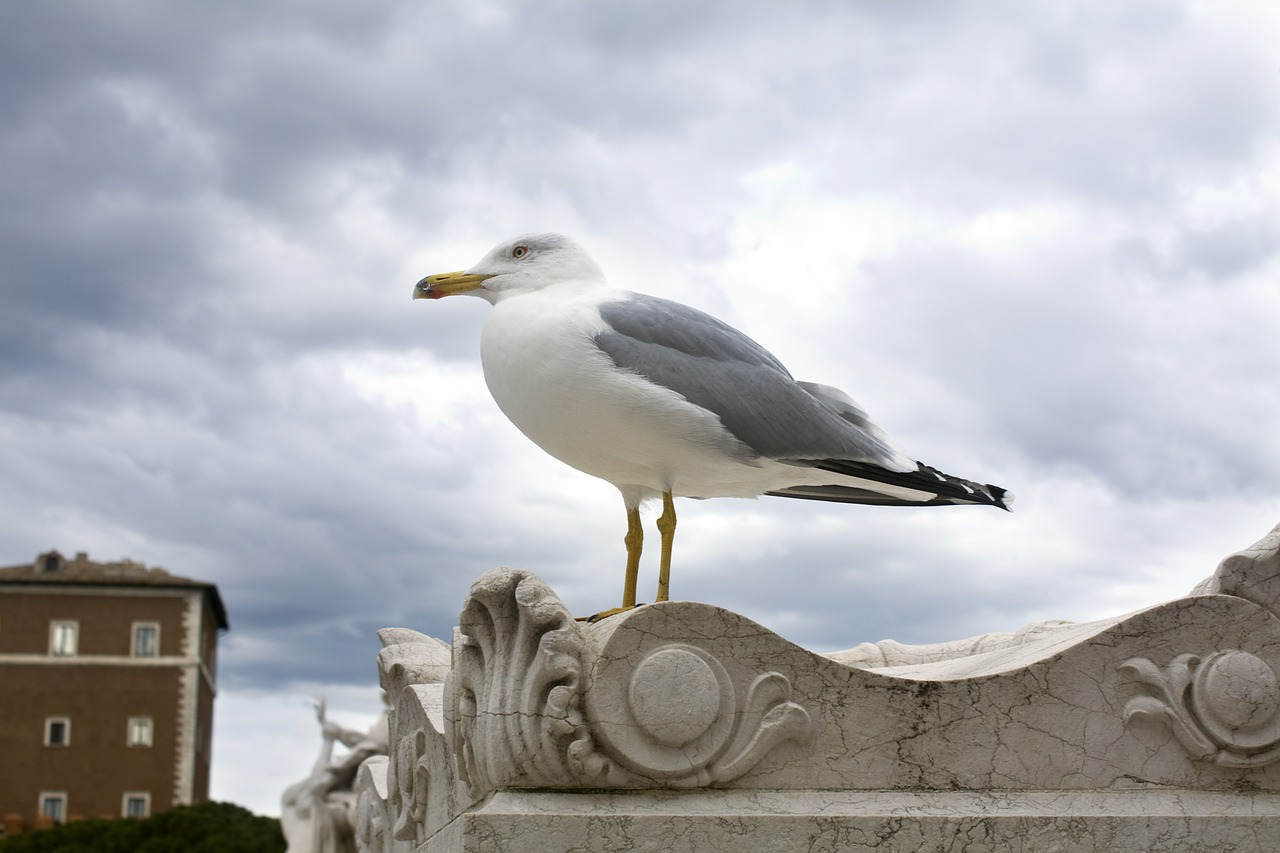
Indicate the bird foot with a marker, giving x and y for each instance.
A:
(605, 614)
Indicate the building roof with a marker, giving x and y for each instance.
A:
(53, 568)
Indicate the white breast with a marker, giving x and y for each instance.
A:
(547, 375)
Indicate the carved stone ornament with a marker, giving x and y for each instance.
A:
(516, 687)
(672, 715)
(411, 794)
(692, 727)
(505, 707)
(678, 717)
(1224, 708)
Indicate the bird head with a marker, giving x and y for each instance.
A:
(525, 264)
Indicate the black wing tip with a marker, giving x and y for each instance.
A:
(1002, 498)
(963, 492)
(948, 489)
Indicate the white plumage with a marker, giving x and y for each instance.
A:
(665, 401)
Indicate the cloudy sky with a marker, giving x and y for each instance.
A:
(1040, 242)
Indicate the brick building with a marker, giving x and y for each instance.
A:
(107, 681)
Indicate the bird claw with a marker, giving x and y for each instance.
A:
(605, 614)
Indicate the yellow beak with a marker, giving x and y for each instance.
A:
(448, 283)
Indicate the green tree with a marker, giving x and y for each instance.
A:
(202, 828)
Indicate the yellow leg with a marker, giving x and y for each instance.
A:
(667, 530)
(634, 541)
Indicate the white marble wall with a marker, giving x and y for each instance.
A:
(685, 726)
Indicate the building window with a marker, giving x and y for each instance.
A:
(53, 805)
(136, 804)
(141, 731)
(63, 637)
(57, 731)
(146, 639)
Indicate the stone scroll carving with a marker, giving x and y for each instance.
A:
(408, 795)
(1223, 708)
(676, 716)
(506, 706)
(670, 698)
(517, 719)
(672, 715)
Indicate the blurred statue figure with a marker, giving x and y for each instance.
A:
(317, 814)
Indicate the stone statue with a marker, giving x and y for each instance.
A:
(317, 814)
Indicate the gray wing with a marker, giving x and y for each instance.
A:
(713, 365)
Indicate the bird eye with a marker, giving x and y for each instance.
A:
(519, 252)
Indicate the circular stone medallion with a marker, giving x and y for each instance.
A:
(665, 711)
(675, 696)
(1238, 700)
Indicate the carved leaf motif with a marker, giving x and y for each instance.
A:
(1192, 740)
(519, 671)
(1224, 708)
(371, 805)
(417, 778)
(776, 719)
(408, 797)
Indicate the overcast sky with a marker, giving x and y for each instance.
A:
(1039, 242)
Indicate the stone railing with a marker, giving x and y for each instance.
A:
(693, 728)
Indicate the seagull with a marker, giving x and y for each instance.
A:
(664, 401)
